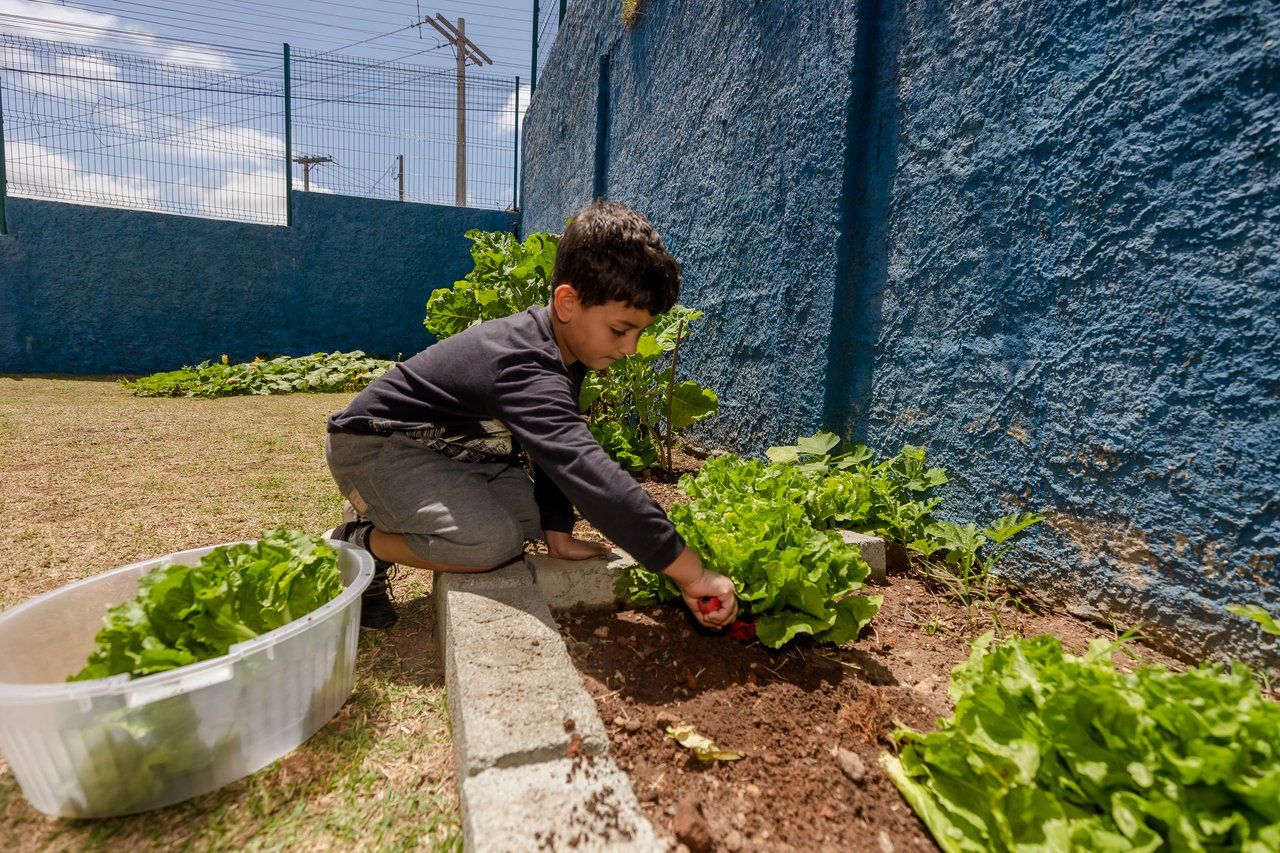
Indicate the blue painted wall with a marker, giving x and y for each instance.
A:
(735, 153)
(98, 290)
(1040, 239)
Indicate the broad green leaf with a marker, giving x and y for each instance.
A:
(647, 346)
(691, 403)
(1047, 750)
(184, 614)
(777, 629)
(591, 391)
(786, 453)
(818, 444)
(853, 613)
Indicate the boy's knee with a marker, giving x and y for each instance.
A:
(500, 544)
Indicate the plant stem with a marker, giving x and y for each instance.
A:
(671, 389)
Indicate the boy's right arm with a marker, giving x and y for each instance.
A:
(697, 582)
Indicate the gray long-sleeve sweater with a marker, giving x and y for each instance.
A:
(511, 370)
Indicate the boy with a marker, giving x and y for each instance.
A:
(429, 453)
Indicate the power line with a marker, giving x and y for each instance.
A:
(247, 33)
(127, 34)
(358, 67)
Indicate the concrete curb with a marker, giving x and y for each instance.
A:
(531, 750)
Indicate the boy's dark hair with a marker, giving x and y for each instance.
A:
(610, 252)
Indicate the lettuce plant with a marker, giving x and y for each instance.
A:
(750, 520)
(185, 614)
(1051, 751)
(892, 498)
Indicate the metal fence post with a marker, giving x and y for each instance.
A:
(288, 142)
(515, 173)
(4, 181)
(533, 76)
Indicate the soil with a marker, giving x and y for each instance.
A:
(811, 721)
(795, 715)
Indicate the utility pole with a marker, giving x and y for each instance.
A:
(307, 162)
(465, 51)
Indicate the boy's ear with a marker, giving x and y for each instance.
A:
(565, 302)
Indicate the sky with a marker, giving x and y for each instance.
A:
(78, 126)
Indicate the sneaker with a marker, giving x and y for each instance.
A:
(376, 609)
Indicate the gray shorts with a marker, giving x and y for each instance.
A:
(457, 513)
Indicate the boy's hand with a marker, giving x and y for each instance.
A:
(696, 583)
(564, 546)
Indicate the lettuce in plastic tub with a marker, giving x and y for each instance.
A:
(219, 661)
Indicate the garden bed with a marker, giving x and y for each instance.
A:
(810, 720)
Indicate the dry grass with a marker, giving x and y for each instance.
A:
(631, 11)
(94, 479)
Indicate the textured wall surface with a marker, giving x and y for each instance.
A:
(1082, 313)
(96, 290)
(1039, 239)
(728, 129)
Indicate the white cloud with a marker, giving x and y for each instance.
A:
(506, 120)
(56, 22)
(243, 186)
(314, 188)
(200, 57)
(253, 195)
(38, 172)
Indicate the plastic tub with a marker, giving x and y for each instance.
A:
(117, 745)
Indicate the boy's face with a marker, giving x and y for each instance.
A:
(599, 335)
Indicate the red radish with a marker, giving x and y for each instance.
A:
(743, 632)
(708, 604)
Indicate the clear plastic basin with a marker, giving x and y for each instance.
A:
(117, 745)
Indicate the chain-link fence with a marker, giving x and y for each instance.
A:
(385, 130)
(212, 137)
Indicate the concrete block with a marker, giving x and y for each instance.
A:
(516, 575)
(872, 548)
(513, 575)
(580, 804)
(579, 584)
(511, 682)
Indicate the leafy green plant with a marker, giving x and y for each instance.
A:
(820, 453)
(889, 498)
(966, 559)
(509, 276)
(892, 498)
(750, 520)
(636, 408)
(1266, 622)
(1051, 751)
(320, 372)
(185, 614)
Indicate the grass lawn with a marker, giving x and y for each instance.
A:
(95, 479)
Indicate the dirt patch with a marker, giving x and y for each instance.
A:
(810, 720)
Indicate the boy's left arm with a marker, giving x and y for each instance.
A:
(557, 519)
